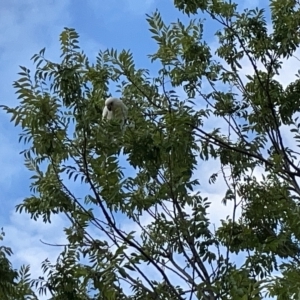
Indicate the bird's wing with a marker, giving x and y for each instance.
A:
(110, 115)
(125, 111)
(105, 112)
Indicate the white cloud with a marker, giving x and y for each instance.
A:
(290, 68)
(25, 27)
(25, 237)
(11, 162)
(114, 10)
(28, 26)
(139, 7)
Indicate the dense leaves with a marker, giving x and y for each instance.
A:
(243, 120)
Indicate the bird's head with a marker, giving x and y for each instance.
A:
(109, 103)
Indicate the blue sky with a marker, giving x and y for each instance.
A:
(28, 26)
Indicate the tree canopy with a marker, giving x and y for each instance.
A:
(148, 176)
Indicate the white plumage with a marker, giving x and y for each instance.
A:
(115, 109)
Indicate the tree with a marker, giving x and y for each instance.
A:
(173, 252)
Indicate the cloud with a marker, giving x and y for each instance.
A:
(139, 7)
(26, 27)
(28, 249)
(25, 24)
(25, 237)
(11, 162)
(115, 10)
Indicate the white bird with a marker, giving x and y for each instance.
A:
(115, 109)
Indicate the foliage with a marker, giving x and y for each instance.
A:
(7, 274)
(14, 285)
(167, 248)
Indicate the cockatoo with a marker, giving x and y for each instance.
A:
(115, 109)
